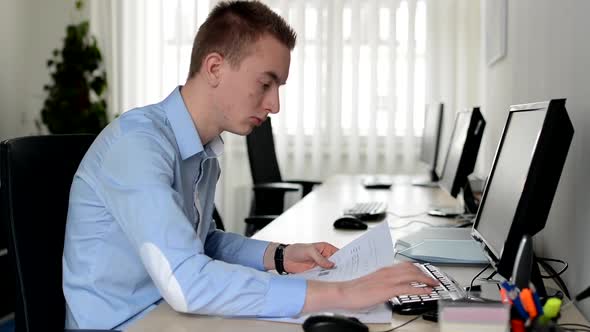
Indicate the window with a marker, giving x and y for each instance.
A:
(360, 64)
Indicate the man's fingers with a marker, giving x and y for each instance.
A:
(411, 290)
(421, 277)
(410, 274)
(321, 260)
(325, 248)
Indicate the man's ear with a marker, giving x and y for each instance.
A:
(213, 68)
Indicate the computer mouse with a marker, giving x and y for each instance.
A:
(349, 222)
(322, 323)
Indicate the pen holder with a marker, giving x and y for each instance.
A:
(468, 316)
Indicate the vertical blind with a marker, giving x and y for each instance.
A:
(354, 101)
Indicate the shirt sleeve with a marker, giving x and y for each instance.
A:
(135, 182)
(236, 249)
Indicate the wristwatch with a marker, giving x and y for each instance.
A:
(279, 258)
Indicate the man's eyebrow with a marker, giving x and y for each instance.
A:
(274, 76)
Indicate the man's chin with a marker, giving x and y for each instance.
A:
(242, 131)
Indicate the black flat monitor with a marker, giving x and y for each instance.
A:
(460, 160)
(463, 149)
(522, 182)
(433, 116)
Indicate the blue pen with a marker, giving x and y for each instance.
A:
(537, 300)
(520, 308)
(507, 286)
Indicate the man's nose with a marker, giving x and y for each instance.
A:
(272, 103)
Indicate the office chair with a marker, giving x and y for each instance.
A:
(217, 218)
(36, 175)
(6, 276)
(269, 187)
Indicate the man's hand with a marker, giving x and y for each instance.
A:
(301, 257)
(364, 292)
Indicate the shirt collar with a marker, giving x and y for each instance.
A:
(187, 137)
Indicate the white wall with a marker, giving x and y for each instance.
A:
(29, 31)
(548, 56)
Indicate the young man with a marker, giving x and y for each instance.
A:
(139, 223)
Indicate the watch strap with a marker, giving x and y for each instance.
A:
(280, 258)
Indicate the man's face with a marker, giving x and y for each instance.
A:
(246, 95)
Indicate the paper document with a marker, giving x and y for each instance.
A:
(360, 257)
(368, 253)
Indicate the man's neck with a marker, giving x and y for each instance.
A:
(199, 106)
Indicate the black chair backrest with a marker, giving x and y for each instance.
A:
(264, 166)
(218, 220)
(36, 175)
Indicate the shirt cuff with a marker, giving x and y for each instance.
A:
(255, 256)
(285, 297)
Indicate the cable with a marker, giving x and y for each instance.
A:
(465, 224)
(583, 294)
(556, 274)
(574, 327)
(412, 222)
(402, 325)
(406, 216)
(473, 280)
(491, 276)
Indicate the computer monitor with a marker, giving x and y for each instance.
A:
(523, 180)
(460, 160)
(431, 138)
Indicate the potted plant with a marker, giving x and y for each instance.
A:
(76, 100)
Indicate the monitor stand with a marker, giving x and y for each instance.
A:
(432, 183)
(470, 205)
(524, 268)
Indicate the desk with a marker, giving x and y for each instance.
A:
(310, 220)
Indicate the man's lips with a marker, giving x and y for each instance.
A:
(257, 121)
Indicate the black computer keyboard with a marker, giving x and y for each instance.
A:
(367, 210)
(417, 304)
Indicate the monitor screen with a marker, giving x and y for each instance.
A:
(462, 152)
(523, 180)
(431, 135)
(506, 185)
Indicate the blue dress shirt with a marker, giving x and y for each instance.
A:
(140, 229)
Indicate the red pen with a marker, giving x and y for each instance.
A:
(517, 325)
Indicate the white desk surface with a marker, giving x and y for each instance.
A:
(310, 220)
